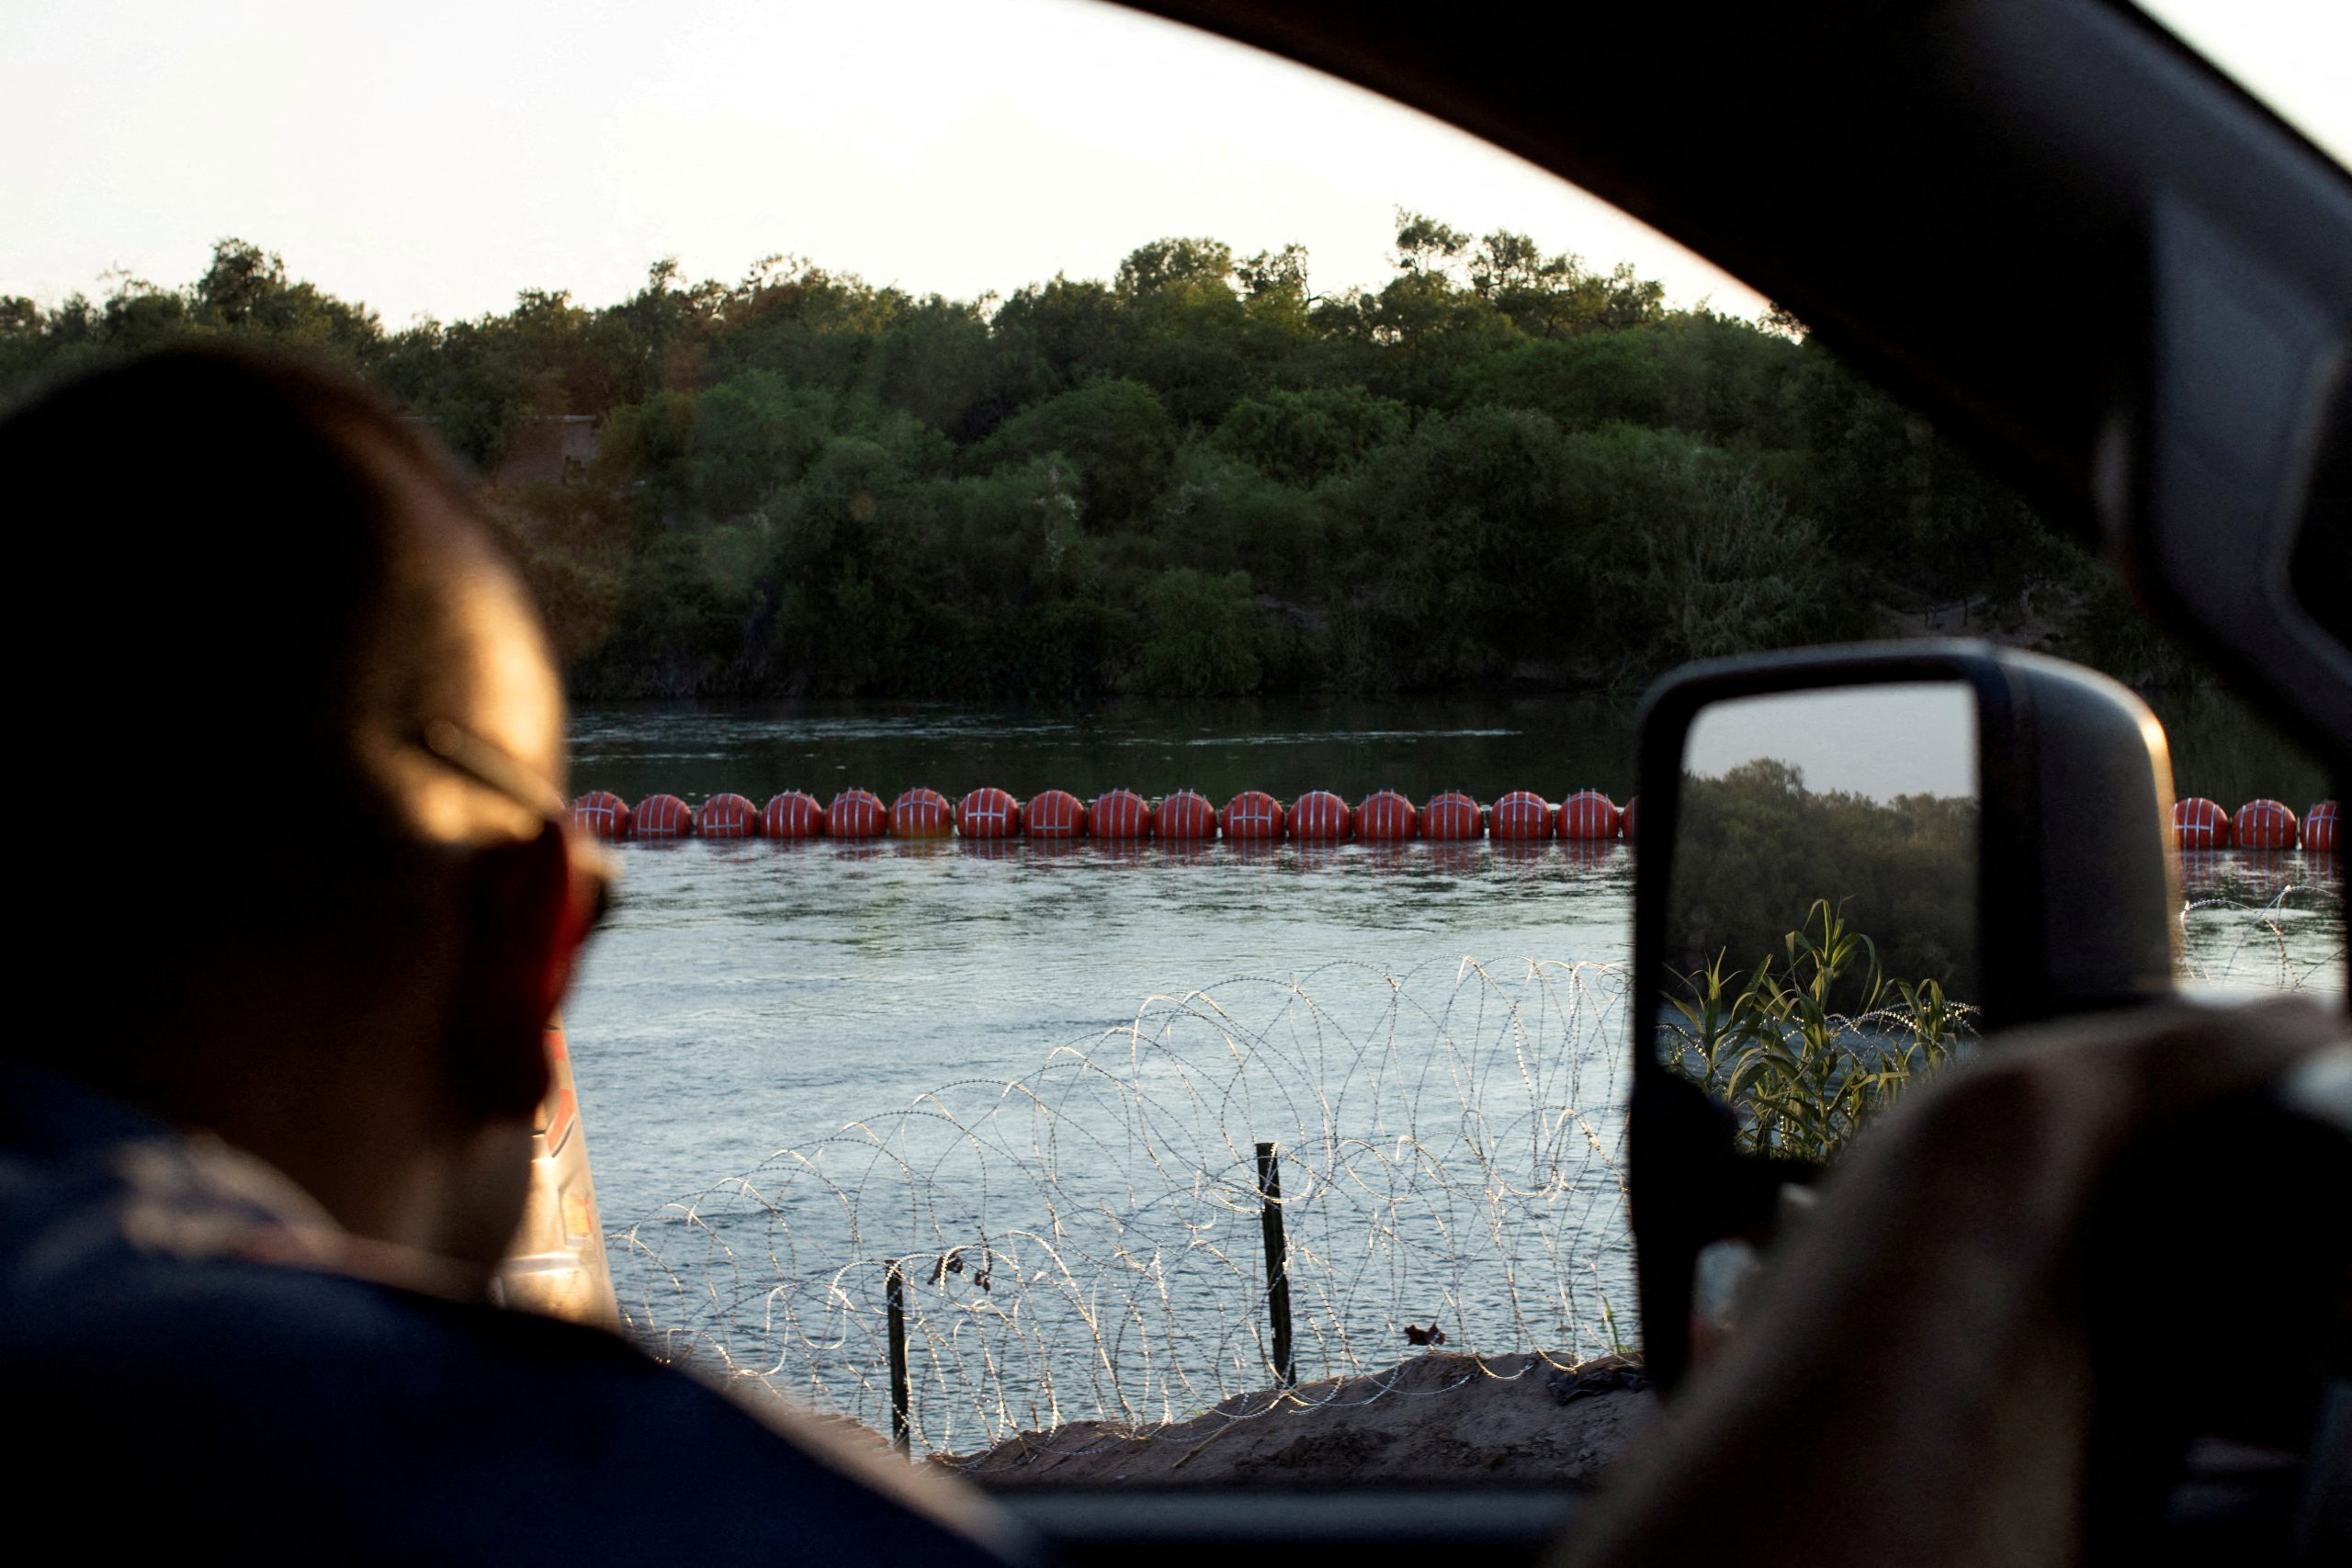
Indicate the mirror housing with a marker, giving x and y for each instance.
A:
(2077, 909)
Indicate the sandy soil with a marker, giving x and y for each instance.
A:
(1431, 1420)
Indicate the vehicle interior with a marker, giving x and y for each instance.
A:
(2124, 284)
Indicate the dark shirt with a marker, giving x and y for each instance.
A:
(182, 1366)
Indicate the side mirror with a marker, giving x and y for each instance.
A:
(1855, 864)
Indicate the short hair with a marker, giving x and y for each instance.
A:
(244, 581)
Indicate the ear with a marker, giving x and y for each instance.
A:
(525, 917)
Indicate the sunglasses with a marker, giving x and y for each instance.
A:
(463, 752)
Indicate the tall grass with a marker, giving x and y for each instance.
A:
(1801, 1077)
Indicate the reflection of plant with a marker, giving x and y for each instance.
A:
(1800, 1076)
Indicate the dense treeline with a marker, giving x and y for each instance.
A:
(1200, 478)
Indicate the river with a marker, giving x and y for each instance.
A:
(794, 1059)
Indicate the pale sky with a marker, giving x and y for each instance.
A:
(1908, 737)
(436, 156)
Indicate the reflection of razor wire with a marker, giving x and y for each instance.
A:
(1085, 1242)
(2271, 921)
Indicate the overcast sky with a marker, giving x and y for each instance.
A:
(436, 156)
(1911, 738)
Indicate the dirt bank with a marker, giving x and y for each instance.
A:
(1433, 1420)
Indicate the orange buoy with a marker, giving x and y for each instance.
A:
(989, 813)
(795, 813)
(1120, 814)
(1254, 816)
(727, 817)
(1321, 815)
(1588, 813)
(1452, 815)
(2265, 825)
(1523, 814)
(1628, 818)
(856, 814)
(602, 813)
(921, 813)
(2320, 827)
(1187, 814)
(662, 816)
(1055, 814)
(1386, 817)
(2198, 824)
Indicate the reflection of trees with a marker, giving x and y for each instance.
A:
(1756, 844)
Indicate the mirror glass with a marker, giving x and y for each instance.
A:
(1821, 917)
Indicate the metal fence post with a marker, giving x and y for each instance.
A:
(894, 1290)
(1270, 1216)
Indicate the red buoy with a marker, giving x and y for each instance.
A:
(989, 813)
(1452, 815)
(1523, 814)
(2320, 827)
(1253, 816)
(603, 813)
(1386, 817)
(2198, 824)
(1056, 814)
(1120, 814)
(1320, 815)
(795, 813)
(727, 817)
(1588, 813)
(921, 813)
(662, 816)
(1187, 814)
(856, 814)
(1628, 818)
(2265, 825)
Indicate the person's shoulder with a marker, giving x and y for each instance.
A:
(448, 1429)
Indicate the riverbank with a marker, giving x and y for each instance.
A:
(1431, 1420)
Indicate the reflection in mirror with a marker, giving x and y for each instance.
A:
(1821, 917)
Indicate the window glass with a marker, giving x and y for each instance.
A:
(934, 400)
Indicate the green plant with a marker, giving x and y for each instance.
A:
(1801, 1077)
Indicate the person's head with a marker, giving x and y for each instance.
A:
(309, 887)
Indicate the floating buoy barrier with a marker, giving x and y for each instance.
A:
(921, 813)
(603, 813)
(728, 816)
(1588, 813)
(989, 813)
(1253, 816)
(1388, 816)
(794, 814)
(1520, 817)
(1187, 814)
(2265, 825)
(2198, 824)
(856, 814)
(1523, 816)
(1121, 814)
(662, 816)
(1451, 816)
(1056, 814)
(1320, 817)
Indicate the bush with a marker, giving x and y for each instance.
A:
(1801, 1074)
(1204, 636)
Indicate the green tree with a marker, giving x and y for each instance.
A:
(1203, 636)
(1117, 435)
